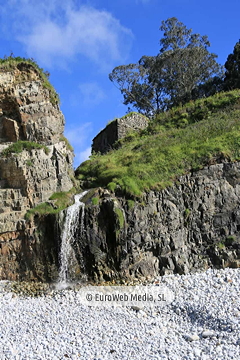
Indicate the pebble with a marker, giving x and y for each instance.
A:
(193, 337)
(207, 333)
(202, 322)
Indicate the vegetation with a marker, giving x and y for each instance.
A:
(95, 200)
(232, 65)
(68, 145)
(11, 62)
(120, 220)
(220, 245)
(62, 200)
(41, 210)
(19, 146)
(182, 139)
(183, 70)
(131, 204)
(29, 163)
(120, 217)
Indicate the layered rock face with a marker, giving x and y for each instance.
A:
(28, 178)
(187, 227)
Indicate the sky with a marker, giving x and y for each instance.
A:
(81, 41)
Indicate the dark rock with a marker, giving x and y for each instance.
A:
(185, 228)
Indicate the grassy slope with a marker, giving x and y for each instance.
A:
(180, 140)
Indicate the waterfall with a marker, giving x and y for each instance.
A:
(71, 224)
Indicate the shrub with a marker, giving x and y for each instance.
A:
(19, 146)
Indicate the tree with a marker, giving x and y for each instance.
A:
(232, 65)
(188, 63)
(130, 79)
(173, 76)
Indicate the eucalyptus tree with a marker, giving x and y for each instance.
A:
(173, 76)
(232, 65)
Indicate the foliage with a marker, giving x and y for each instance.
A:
(220, 245)
(41, 210)
(232, 65)
(176, 75)
(68, 145)
(10, 62)
(19, 146)
(130, 203)
(62, 200)
(132, 81)
(95, 200)
(159, 154)
(29, 163)
(120, 217)
(111, 186)
(185, 61)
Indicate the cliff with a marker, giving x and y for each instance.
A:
(165, 201)
(171, 198)
(35, 162)
(187, 227)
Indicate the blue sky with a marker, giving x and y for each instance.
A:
(80, 41)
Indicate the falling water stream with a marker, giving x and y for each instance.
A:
(71, 224)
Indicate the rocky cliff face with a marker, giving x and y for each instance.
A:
(28, 113)
(187, 227)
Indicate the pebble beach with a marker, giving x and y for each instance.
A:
(202, 322)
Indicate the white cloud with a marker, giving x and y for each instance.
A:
(79, 138)
(91, 93)
(83, 155)
(56, 31)
(78, 135)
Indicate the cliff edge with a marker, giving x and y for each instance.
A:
(35, 160)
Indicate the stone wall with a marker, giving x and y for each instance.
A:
(117, 130)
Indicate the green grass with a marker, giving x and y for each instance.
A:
(62, 200)
(221, 246)
(11, 62)
(19, 146)
(120, 217)
(131, 204)
(68, 145)
(155, 157)
(41, 210)
(95, 200)
(198, 110)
